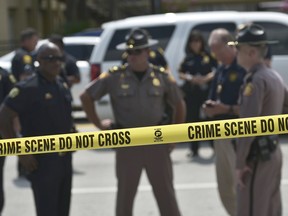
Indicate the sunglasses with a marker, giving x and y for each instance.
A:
(134, 52)
(52, 58)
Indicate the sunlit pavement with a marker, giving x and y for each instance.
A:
(94, 184)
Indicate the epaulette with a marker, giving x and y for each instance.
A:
(118, 68)
(160, 69)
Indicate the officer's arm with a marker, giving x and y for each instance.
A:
(7, 117)
(90, 109)
(285, 105)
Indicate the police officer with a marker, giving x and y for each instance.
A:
(156, 55)
(43, 105)
(138, 93)
(70, 72)
(259, 160)
(22, 64)
(197, 71)
(7, 81)
(222, 98)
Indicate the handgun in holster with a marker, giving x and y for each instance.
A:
(262, 148)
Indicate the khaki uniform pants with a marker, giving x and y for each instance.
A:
(156, 161)
(266, 199)
(226, 173)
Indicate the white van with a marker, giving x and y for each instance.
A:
(172, 31)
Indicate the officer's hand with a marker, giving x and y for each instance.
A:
(208, 108)
(28, 162)
(106, 124)
(241, 175)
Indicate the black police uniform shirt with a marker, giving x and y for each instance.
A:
(23, 62)
(197, 64)
(227, 83)
(70, 68)
(7, 81)
(44, 107)
(156, 57)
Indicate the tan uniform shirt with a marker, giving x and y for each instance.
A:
(136, 103)
(261, 96)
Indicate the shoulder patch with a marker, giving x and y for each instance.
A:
(14, 92)
(248, 89)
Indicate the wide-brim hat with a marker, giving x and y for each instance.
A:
(137, 39)
(251, 34)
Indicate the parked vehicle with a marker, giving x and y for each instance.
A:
(80, 48)
(173, 29)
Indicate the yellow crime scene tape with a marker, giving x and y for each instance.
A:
(161, 134)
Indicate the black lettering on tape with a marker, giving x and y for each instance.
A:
(283, 124)
(204, 131)
(114, 138)
(240, 128)
(10, 148)
(40, 145)
(84, 141)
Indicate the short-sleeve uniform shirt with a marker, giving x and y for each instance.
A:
(44, 107)
(137, 103)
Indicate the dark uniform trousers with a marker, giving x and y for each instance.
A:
(265, 202)
(157, 163)
(51, 184)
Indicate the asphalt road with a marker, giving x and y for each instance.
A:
(94, 185)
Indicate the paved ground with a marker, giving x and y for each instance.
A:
(94, 185)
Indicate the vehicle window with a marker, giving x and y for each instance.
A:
(207, 28)
(160, 33)
(79, 51)
(277, 32)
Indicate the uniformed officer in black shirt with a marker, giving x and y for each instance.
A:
(43, 105)
(70, 72)
(22, 64)
(7, 82)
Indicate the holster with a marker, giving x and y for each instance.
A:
(262, 148)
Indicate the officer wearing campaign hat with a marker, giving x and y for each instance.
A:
(156, 54)
(258, 159)
(139, 91)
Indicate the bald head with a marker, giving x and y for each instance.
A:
(47, 48)
(220, 36)
(217, 41)
(50, 60)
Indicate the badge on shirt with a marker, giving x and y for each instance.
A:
(248, 89)
(14, 92)
(206, 59)
(233, 76)
(156, 82)
(27, 59)
(48, 96)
